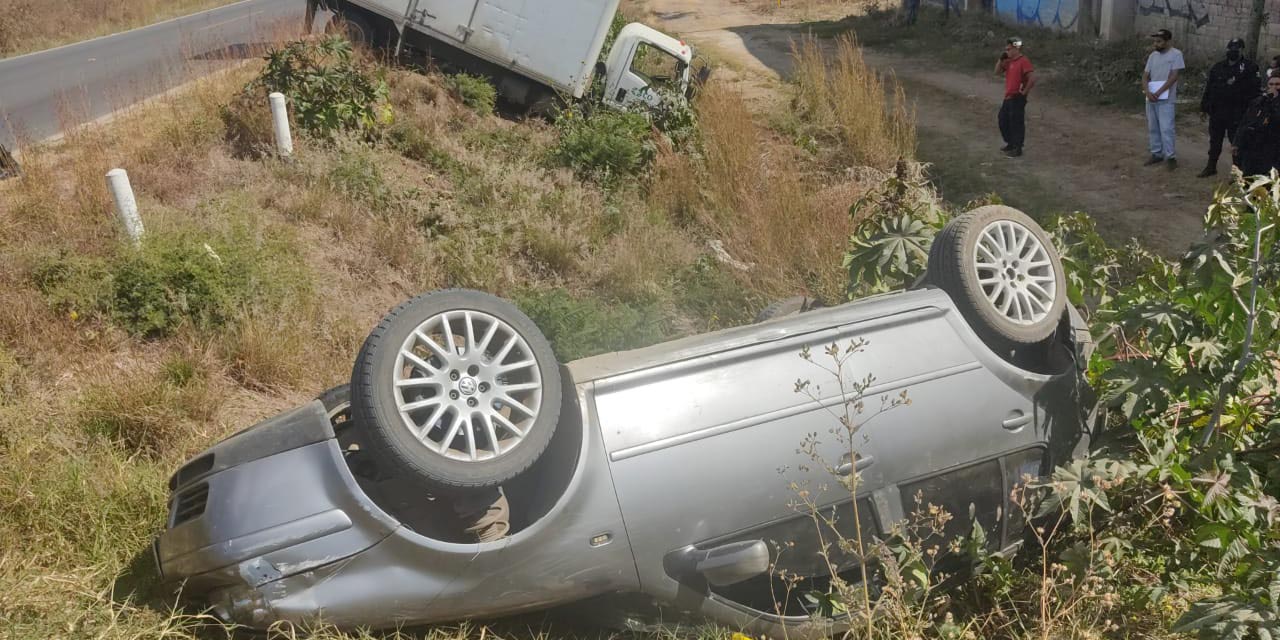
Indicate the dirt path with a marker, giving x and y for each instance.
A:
(1077, 158)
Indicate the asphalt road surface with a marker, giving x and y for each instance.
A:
(45, 92)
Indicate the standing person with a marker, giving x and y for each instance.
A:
(1160, 85)
(1231, 85)
(948, 6)
(1257, 141)
(1018, 81)
(912, 10)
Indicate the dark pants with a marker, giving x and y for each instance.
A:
(1013, 125)
(1221, 125)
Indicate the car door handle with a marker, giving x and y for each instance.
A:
(847, 467)
(1016, 420)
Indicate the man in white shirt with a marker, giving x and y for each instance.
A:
(1160, 84)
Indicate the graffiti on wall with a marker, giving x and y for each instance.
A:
(1053, 14)
(1194, 10)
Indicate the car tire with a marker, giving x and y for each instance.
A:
(1003, 273)
(785, 307)
(470, 416)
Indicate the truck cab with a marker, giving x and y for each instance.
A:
(644, 65)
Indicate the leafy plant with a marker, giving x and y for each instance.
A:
(476, 92)
(895, 223)
(603, 144)
(1187, 362)
(328, 89)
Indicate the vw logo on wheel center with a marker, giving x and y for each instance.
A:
(467, 386)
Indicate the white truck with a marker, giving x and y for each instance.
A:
(537, 52)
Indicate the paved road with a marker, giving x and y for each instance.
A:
(42, 93)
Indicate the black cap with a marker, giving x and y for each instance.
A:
(1235, 43)
(1015, 41)
(1163, 34)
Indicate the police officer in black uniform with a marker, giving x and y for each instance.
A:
(1257, 141)
(1231, 85)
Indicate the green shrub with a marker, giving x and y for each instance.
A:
(357, 176)
(178, 278)
(412, 143)
(72, 284)
(710, 292)
(894, 226)
(476, 92)
(581, 327)
(604, 144)
(328, 91)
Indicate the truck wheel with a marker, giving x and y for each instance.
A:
(1003, 273)
(457, 390)
(359, 29)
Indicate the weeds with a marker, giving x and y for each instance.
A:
(578, 328)
(604, 145)
(846, 101)
(476, 92)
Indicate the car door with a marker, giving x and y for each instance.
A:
(720, 447)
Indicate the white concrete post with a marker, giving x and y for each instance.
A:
(280, 118)
(126, 204)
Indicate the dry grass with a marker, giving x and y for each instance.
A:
(752, 194)
(843, 99)
(31, 25)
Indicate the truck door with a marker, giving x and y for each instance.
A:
(651, 70)
(448, 18)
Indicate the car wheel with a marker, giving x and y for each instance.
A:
(457, 390)
(788, 307)
(1003, 273)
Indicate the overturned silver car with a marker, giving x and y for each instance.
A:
(666, 471)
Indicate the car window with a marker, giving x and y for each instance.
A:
(972, 493)
(659, 68)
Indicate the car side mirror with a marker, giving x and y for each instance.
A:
(721, 566)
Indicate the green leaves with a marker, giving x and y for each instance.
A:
(894, 227)
(1233, 617)
(328, 90)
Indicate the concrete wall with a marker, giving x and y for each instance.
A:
(1060, 15)
(1201, 28)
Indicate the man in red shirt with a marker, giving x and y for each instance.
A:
(1017, 84)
